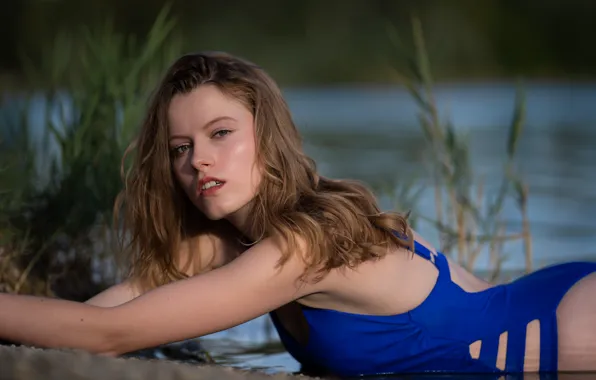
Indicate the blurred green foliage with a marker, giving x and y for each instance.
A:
(57, 196)
(312, 41)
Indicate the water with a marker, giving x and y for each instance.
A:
(372, 134)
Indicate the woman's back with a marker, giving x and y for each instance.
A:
(393, 284)
(386, 311)
(345, 321)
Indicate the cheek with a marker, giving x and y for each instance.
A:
(255, 172)
(253, 167)
(242, 153)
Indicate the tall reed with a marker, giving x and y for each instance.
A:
(467, 215)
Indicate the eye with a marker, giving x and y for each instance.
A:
(221, 133)
(179, 150)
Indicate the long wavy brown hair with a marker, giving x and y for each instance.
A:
(339, 220)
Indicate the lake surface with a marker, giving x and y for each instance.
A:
(372, 134)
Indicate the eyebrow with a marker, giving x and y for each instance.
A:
(207, 125)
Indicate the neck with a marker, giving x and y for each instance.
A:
(242, 222)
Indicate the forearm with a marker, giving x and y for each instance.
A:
(54, 323)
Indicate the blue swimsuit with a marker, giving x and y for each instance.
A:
(436, 335)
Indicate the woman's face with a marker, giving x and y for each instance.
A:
(213, 149)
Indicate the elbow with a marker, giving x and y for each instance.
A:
(112, 341)
(121, 333)
(117, 343)
(109, 344)
(113, 346)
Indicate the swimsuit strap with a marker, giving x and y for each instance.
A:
(420, 249)
(423, 251)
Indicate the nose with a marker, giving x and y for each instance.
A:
(201, 159)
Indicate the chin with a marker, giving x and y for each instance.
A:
(212, 215)
(218, 210)
(216, 213)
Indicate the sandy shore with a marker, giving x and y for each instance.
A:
(24, 363)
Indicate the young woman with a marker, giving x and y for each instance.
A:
(229, 220)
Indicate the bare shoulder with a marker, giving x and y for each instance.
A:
(116, 295)
(207, 250)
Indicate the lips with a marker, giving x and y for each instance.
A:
(209, 185)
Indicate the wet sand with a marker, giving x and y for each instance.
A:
(25, 363)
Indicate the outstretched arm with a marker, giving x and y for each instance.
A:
(249, 286)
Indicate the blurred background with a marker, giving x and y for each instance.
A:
(477, 116)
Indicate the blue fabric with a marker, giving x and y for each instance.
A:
(436, 335)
